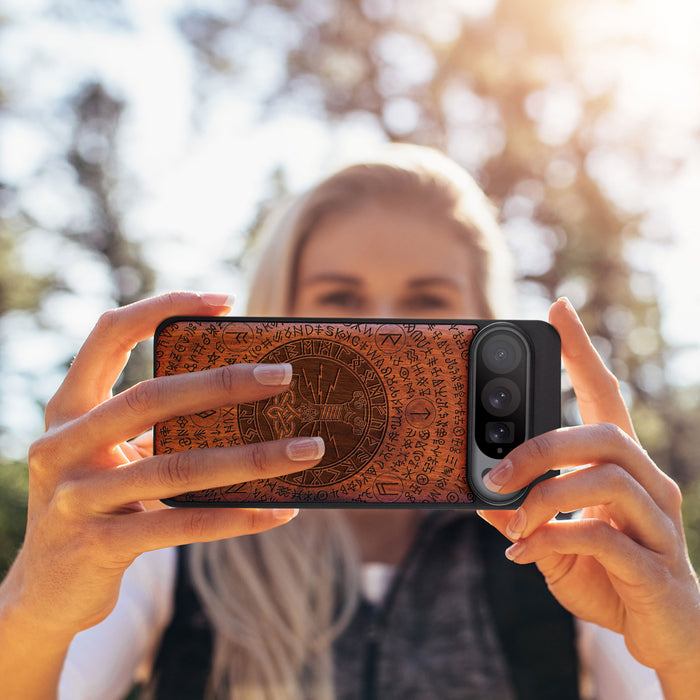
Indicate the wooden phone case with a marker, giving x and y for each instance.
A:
(389, 398)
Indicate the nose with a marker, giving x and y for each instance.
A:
(382, 308)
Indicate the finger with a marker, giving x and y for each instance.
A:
(165, 476)
(606, 486)
(131, 452)
(497, 518)
(142, 532)
(579, 445)
(138, 408)
(105, 352)
(596, 388)
(138, 448)
(614, 550)
(143, 444)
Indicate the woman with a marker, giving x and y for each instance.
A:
(276, 602)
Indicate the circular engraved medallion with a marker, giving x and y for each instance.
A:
(420, 413)
(387, 488)
(335, 393)
(390, 338)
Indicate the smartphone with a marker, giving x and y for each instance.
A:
(412, 413)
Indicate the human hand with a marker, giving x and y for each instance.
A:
(624, 563)
(88, 517)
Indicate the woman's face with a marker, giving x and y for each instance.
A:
(385, 261)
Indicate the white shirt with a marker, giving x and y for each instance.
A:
(104, 661)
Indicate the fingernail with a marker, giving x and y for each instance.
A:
(569, 306)
(285, 514)
(273, 375)
(498, 477)
(218, 300)
(305, 449)
(515, 550)
(517, 525)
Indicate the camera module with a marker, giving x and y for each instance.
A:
(505, 359)
(500, 390)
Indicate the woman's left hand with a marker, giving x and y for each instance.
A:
(623, 564)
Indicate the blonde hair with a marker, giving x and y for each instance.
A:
(277, 600)
(404, 175)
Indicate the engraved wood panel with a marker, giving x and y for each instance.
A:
(389, 400)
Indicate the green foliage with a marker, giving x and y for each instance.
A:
(18, 289)
(691, 521)
(14, 483)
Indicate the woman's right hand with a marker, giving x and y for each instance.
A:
(88, 516)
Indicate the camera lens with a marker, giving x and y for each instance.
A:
(502, 353)
(499, 432)
(500, 396)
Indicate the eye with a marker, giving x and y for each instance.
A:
(427, 302)
(345, 299)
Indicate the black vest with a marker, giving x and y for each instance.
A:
(534, 634)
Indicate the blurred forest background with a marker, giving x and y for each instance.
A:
(580, 119)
